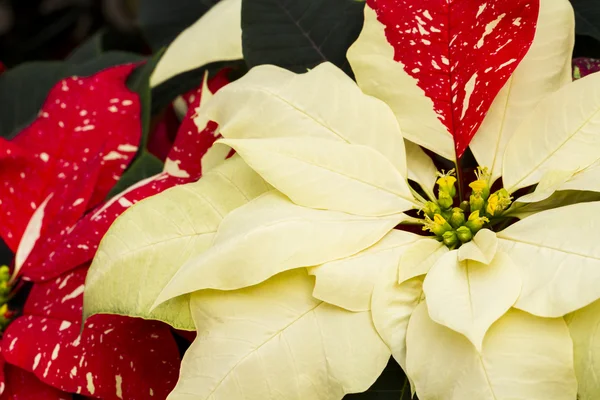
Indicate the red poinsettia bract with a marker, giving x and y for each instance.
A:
(114, 357)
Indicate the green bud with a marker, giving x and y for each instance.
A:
(445, 201)
(457, 218)
(476, 202)
(4, 273)
(464, 205)
(450, 239)
(475, 222)
(464, 234)
(431, 209)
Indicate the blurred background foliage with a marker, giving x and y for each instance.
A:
(50, 29)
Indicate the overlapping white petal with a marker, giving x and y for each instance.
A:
(323, 103)
(523, 358)
(348, 283)
(583, 327)
(558, 257)
(560, 133)
(469, 296)
(275, 341)
(327, 174)
(482, 248)
(392, 305)
(270, 235)
(136, 260)
(418, 259)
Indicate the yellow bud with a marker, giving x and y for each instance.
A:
(447, 184)
(475, 222)
(438, 226)
(438, 219)
(482, 185)
(498, 202)
(492, 205)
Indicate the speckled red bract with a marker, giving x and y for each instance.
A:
(114, 357)
(82, 119)
(461, 52)
(77, 245)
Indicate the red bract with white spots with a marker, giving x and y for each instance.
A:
(458, 54)
(77, 245)
(23, 385)
(114, 357)
(82, 119)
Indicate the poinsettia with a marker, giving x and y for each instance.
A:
(113, 357)
(308, 288)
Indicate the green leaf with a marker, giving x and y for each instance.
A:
(24, 89)
(139, 82)
(88, 50)
(161, 21)
(298, 35)
(22, 93)
(587, 17)
(145, 166)
(558, 199)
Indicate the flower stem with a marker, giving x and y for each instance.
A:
(459, 178)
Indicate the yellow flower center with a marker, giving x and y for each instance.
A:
(454, 225)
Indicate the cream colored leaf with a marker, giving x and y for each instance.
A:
(550, 182)
(348, 283)
(585, 180)
(421, 168)
(271, 235)
(327, 174)
(529, 84)
(418, 259)
(583, 326)
(322, 103)
(469, 296)
(216, 36)
(148, 243)
(524, 358)
(392, 305)
(275, 341)
(559, 258)
(379, 75)
(214, 156)
(561, 132)
(481, 249)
